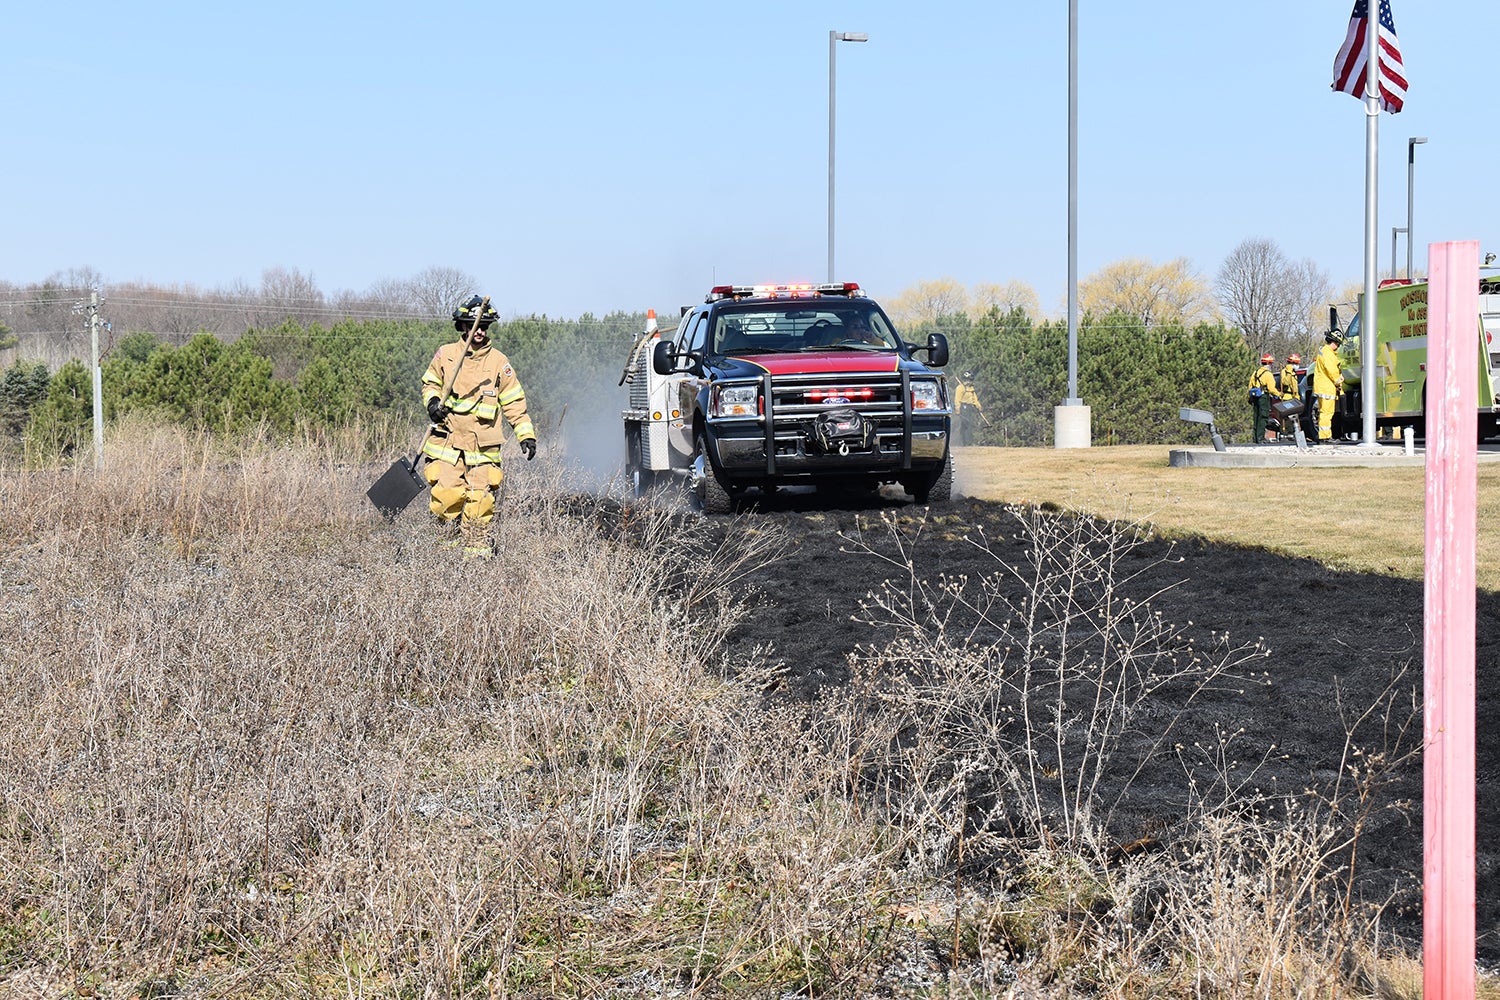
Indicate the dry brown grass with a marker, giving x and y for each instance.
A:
(257, 743)
(1367, 520)
(255, 740)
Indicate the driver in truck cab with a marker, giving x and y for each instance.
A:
(858, 331)
(855, 329)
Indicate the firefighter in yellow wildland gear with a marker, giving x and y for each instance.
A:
(1262, 392)
(1287, 383)
(970, 411)
(1290, 389)
(1328, 382)
(463, 452)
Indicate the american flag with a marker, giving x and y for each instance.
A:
(1349, 68)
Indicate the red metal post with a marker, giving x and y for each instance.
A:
(1448, 628)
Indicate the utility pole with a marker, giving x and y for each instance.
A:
(98, 382)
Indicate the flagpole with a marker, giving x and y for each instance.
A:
(1367, 318)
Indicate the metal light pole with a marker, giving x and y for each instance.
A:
(1072, 399)
(1411, 159)
(834, 37)
(1394, 231)
(1071, 420)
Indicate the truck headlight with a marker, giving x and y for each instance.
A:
(926, 394)
(735, 401)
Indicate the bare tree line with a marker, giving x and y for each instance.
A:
(1277, 303)
(49, 319)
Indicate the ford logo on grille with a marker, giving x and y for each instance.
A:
(835, 400)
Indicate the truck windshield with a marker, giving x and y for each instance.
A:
(762, 328)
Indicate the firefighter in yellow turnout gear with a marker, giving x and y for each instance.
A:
(1328, 382)
(463, 452)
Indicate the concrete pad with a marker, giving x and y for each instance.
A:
(1279, 455)
(1288, 455)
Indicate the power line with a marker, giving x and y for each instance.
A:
(296, 310)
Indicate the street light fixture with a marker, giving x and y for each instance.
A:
(1411, 159)
(834, 37)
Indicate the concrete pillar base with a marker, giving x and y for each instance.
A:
(1071, 427)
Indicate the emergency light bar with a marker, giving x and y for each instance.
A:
(864, 393)
(809, 291)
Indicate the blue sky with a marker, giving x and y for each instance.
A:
(590, 157)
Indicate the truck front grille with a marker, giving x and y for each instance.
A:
(801, 397)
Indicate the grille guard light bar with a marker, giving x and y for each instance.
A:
(862, 394)
(804, 291)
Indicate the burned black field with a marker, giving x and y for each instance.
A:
(1334, 646)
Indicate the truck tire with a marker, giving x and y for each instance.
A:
(939, 488)
(716, 499)
(642, 480)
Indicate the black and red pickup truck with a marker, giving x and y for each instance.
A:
(776, 385)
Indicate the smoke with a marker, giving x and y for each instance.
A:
(579, 408)
(591, 437)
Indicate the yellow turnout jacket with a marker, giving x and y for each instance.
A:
(1327, 379)
(1263, 379)
(486, 388)
(1289, 388)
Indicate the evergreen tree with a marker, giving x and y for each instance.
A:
(61, 422)
(1133, 376)
(22, 387)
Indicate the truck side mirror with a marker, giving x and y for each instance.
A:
(937, 350)
(1333, 319)
(664, 357)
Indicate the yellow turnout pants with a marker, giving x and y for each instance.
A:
(1325, 418)
(463, 492)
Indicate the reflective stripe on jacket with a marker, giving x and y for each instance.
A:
(485, 388)
(436, 450)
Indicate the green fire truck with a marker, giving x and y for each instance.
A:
(1400, 347)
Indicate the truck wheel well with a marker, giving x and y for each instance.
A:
(700, 433)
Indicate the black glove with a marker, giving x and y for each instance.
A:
(529, 447)
(436, 411)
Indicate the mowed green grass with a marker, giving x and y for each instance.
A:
(1368, 520)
